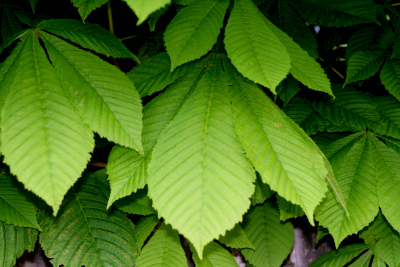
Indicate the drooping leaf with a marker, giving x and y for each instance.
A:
(390, 77)
(127, 169)
(16, 209)
(199, 163)
(272, 239)
(214, 256)
(383, 240)
(288, 210)
(88, 35)
(339, 13)
(85, 7)
(276, 145)
(339, 257)
(253, 46)
(40, 130)
(194, 30)
(352, 160)
(261, 192)
(287, 89)
(154, 74)
(102, 237)
(14, 241)
(236, 238)
(163, 249)
(144, 8)
(107, 101)
(143, 229)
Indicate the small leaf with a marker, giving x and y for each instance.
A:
(236, 238)
(85, 7)
(390, 77)
(287, 89)
(214, 256)
(194, 30)
(136, 203)
(339, 257)
(261, 192)
(163, 249)
(272, 239)
(144, 8)
(14, 241)
(143, 229)
(288, 210)
(253, 46)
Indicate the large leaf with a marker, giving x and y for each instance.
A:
(144, 8)
(236, 238)
(383, 240)
(339, 257)
(272, 239)
(106, 99)
(214, 256)
(353, 163)
(43, 140)
(339, 13)
(390, 77)
(16, 209)
(163, 249)
(199, 179)
(14, 241)
(88, 35)
(85, 7)
(103, 238)
(286, 158)
(143, 229)
(127, 169)
(253, 46)
(194, 30)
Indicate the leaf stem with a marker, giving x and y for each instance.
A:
(111, 27)
(129, 37)
(335, 70)
(396, 4)
(98, 164)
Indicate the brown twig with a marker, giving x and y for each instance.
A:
(98, 164)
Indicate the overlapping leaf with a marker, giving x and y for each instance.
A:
(194, 30)
(127, 169)
(261, 192)
(389, 110)
(16, 209)
(340, 13)
(52, 143)
(163, 249)
(253, 46)
(339, 257)
(85, 7)
(10, 24)
(383, 240)
(287, 89)
(390, 77)
(236, 238)
(285, 157)
(84, 225)
(106, 99)
(143, 229)
(214, 256)
(199, 163)
(88, 35)
(288, 210)
(144, 8)
(272, 239)
(136, 203)
(14, 241)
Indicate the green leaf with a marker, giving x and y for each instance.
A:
(363, 261)
(277, 146)
(261, 192)
(390, 77)
(85, 7)
(127, 169)
(33, 5)
(272, 238)
(363, 64)
(254, 47)
(383, 240)
(339, 257)
(9, 41)
(287, 210)
(290, 23)
(287, 89)
(388, 171)
(136, 203)
(214, 256)
(199, 163)
(304, 68)
(10, 25)
(88, 35)
(396, 49)
(353, 163)
(15, 206)
(14, 241)
(106, 99)
(377, 262)
(155, 17)
(184, 2)
(194, 30)
(236, 238)
(102, 237)
(154, 74)
(143, 229)
(389, 110)
(163, 249)
(144, 8)
(321, 232)
(43, 140)
(339, 13)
